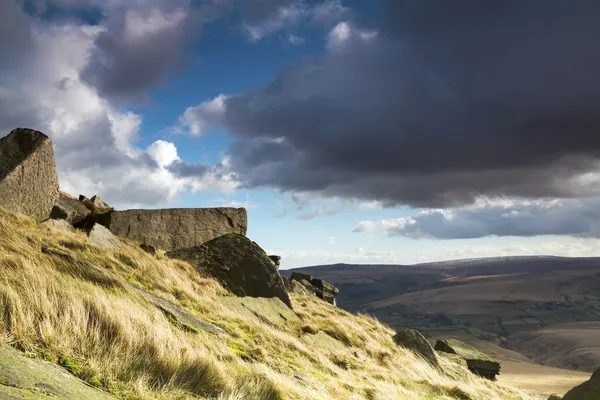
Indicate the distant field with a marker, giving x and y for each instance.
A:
(573, 345)
(547, 308)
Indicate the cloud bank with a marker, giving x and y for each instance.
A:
(440, 105)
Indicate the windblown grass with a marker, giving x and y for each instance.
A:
(98, 328)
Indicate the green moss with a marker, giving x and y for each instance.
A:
(96, 382)
(189, 328)
(245, 351)
(70, 364)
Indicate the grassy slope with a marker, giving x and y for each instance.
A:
(104, 332)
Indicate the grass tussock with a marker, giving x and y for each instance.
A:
(56, 305)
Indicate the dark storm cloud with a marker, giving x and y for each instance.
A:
(144, 42)
(15, 35)
(451, 100)
(185, 170)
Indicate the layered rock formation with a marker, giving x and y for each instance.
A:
(28, 180)
(69, 209)
(239, 264)
(477, 362)
(322, 289)
(175, 228)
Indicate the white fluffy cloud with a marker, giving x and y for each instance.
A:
(525, 247)
(497, 217)
(94, 139)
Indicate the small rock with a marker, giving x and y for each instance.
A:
(477, 362)
(276, 260)
(413, 340)
(148, 248)
(554, 397)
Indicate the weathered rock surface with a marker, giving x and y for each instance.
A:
(477, 362)
(322, 289)
(95, 204)
(102, 237)
(59, 224)
(69, 209)
(175, 228)
(23, 378)
(184, 318)
(148, 248)
(28, 180)
(269, 310)
(239, 264)
(413, 340)
(589, 390)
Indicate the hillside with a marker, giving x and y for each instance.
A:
(67, 301)
(538, 306)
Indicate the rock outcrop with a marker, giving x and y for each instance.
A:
(69, 209)
(413, 340)
(175, 228)
(322, 289)
(239, 264)
(589, 390)
(477, 362)
(28, 180)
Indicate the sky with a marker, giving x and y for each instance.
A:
(353, 131)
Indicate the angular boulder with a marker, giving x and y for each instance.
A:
(322, 289)
(28, 180)
(477, 362)
(239, 264)
(102, 237)
(413, 340)
(175, 228)
(69, 209)
(589, 390)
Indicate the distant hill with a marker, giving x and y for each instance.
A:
(509, 301)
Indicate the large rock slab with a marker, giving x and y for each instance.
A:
(239, 264)
(175, 228)
(181, 316)
(589, 390)
(268, 310)
(28, 180)
(413, 340)
(23, 378)
(477, 362)
(69, 209)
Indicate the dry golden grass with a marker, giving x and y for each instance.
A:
(100, 329)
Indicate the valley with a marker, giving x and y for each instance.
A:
(539, 315)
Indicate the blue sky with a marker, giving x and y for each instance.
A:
(352, 131)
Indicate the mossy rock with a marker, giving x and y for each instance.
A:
(24, 378)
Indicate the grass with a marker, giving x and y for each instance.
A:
(54, 305)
